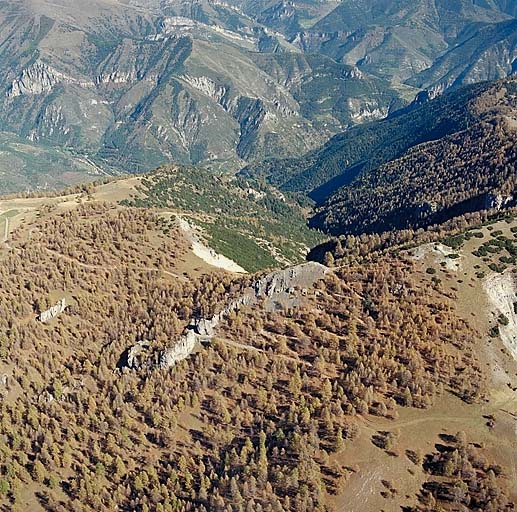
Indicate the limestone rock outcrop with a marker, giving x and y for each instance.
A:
(283, 287)
(53, 312)
(135, 353)
(501, 291)
(497, 201)
(37, 79)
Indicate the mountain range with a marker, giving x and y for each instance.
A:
(124, 86)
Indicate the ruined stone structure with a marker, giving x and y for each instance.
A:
(54, 311)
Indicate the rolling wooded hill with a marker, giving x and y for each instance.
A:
(287, 406)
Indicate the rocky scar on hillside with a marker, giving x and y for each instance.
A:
(283, 288)
(502, 294)
(53, 312)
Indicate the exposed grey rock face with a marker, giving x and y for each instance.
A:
(36, 79)
(135, 353)
(53, 312)
(180, 351)
(497, 201)
(281, 287)
(426, 96)
(501, 290)
(284, 283)
(277, 287)
(206, 326)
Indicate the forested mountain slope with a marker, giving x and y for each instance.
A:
(364, 148)
(485, 53)
(287, 407)
(472, 169)
(251, 223)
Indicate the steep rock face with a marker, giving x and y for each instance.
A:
(131, 359)
(36, 79)
(53, 312)
(279, 286)
(210, 88)
(497, 201)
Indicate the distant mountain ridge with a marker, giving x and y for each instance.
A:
(129, 85)
(363, 148)
(398, 39)
(485, 53)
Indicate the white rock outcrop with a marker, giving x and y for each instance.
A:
(502, 294)
(54, 311)
(180, 351)
(366, 110)
(282, 287)
(135, 352)
(206, 253)
(40, 78)
(207, 86)
(497, 201)
(36, 79)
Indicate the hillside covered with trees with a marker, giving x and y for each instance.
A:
(472, 170)
(246, 220)
(364, 148)
(420, 166)
(264, 418)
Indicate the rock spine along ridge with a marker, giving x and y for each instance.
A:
(277, 287)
